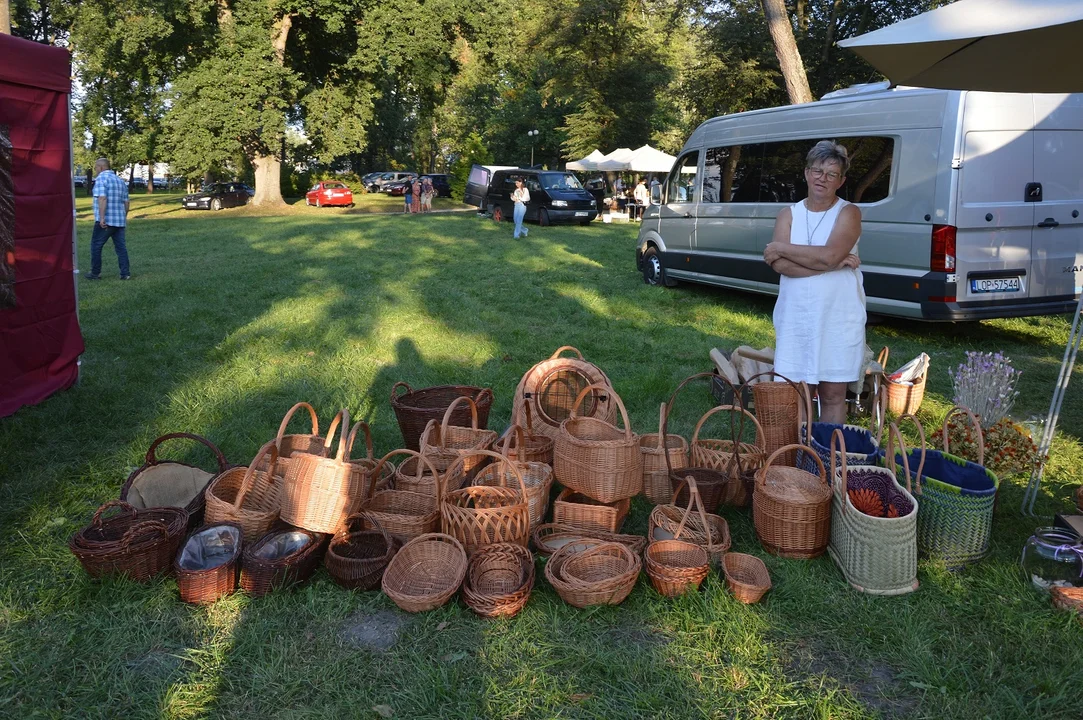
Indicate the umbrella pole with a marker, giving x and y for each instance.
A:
(1050, 429)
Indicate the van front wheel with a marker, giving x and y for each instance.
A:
(543, 217)
(653, 272)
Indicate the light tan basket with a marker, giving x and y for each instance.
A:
(446, 443)
(791, 508)
(596, 458)
(656, 485)
(482, 515)
(247, 496)
(550, 387)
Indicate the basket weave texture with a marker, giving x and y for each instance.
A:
(357, 559)
(596, 458)
(482, 515)
(548, 389)
(692, 522)
(675, 566)
(712, 483)
(499, 579)
(592, 572)
(550, 537)
(444, 443)
(778, 409)
(579, 511)
(261, 575)
(207, 585)
(532, 447)
(137, 543)
(746, 577)
(791, 508)
(402, 513)
(425, 573)
(415, 408)
(537, 479)
(247, 496)
(900, 398)
(169, 483)
(290, 444)
(656, 464)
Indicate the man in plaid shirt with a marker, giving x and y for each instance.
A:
(110, 217)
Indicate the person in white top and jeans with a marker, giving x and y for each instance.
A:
(520, 196)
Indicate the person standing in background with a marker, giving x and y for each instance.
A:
(416, 207)
(426, 194)
(408, 196)
(642, 196)
(110, 219)
(520, 196)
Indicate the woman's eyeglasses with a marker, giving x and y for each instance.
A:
(820, 172)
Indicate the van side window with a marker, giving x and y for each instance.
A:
(783, 178)
(731, 174)
(868, 180)
(681, 185)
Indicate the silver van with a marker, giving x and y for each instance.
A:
(970, 201)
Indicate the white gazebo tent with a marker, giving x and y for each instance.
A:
(590, 162)
(651, 160)
(997, 46)
(616, 161)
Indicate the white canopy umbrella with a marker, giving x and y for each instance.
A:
(994, 45)
(1031, 46)
(616, 161)
(590, 162)
(651, 160)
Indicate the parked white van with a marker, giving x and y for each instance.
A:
(970, 201)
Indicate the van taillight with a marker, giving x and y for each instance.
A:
(942, 255)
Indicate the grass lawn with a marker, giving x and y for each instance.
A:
(231, 317)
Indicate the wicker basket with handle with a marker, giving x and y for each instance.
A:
(705, 529)
(537, 477)
(595, 458)
(534, 447)
(593, 572)
(402, 513)
(902, 398)
(550, 387)
(482, 515)
(712, 483)
(247, 496)
(356, 559)
(791, 508)
(444, 443)
(169, 483)
(137, 543)
(289, 444)
(654, 447)
(415, 408)
(778, 409)
(676, 566)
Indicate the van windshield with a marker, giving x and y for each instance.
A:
(559, 181)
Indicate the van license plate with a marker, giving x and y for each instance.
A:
(991, 285)
(581, 214)
(191, 204)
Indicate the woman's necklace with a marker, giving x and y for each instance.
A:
(812, 234)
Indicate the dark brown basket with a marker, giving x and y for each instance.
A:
(279, 559)
(356, 559)
(203, 579)
(169, 483)
(499, 579)
(415, 408)
(137, 543)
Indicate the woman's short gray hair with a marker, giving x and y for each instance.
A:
(827, 151)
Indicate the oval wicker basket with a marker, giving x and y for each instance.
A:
(280, 559)
(357, 559)
(169, 483)
(138, 543)
(656, 465)
(537, 478)
(499, 579)
(675, 566)
(746, 577)
(247, 496)
(596, 458)
(415, 408)
(402, 513)
(204, 577)
(550, 387)
(444, 443)
(602, 573)
(425, 573)
(550, 537)
(482, 515)
(413, 475)
(577, 510)
(791, 508)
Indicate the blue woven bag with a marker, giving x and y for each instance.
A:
(862, 448)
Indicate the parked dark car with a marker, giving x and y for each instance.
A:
(555, 196)
(440, 185)
(137, 184)
(397, 188)
(377, 185)
(216, 196)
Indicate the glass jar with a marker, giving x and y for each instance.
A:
(1053, 557)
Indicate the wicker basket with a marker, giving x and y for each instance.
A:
(877, 555)
(248, 497)
(413, 475)
(206, 564)
(550, 537)
(598, 459)
(482, 515)
(791, 508)
(357, 559)
(363, 467)
(1070, 599)
(169, 483)
(532, 447)
(415, 408)
(425, 573)
(654, 450)
(402, 513)
(579, 511)
(550, 388)
(593, 573)
(443, 443)
(537, 478)
(735, 460)
(746, 577)
(290, 444)
(139, 544)
(279, 559)
(498, 580)
(778, 409)
(709, 531)
(676, 566)
(713, 484)
(902, 398)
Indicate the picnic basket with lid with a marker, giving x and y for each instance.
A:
(791, 508)
(356, 559)
(425, 573)
(279, 559)
(137, 543)
(709, 531)
(415, 408)
(481, 515)
(654, 447)
(593, 572)
(499, 579)
(443, 443)
(170, 483)
(247, 496)
(550, 388)
(537, 477)
(206, 564)
(595, 458)
(404, 514)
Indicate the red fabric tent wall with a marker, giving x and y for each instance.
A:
(40, 341)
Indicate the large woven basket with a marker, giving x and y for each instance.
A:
(279, 559)
(537, 478)
(206, 564)
(425, 573)
(498, 580)
(482, 515)
(596, 458)
(532, 447)
(654, 448)
(550, 537)
(746, 577)
(169, 483)
(549, 389)
(402, 513)
(357, 559)
(363, 467)
(139, 544)
(415, 475)
(791, 508)
(862, 446)
(444, 443)
(415, 408)
(877, 555)
(778, 409)
(575, 509)
(247, 496)
(692, 522)
(902, 398)
(734, 459)
(290, 444)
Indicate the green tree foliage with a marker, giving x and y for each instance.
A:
(474, 151)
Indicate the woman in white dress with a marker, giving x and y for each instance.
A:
(820, 312)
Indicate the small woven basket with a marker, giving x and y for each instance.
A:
(656, 465)
(676, 566)
(733, 455)
(413, 475)
(402, 513)
(444, 443)
(415, 408)
(248, 497)
(279, 559)
(169, 483)
(596, 458)
(746, 577)
(425, 573)
(290, 444)
(537, 478)
(531, 447)
(579, 511)
(499, 579)
(206, 564)
(138, 543)
(550, 537)
(902, 398)
(593, 573)
(482, 515)
(712, 483)
(709, 531)
(357, 559)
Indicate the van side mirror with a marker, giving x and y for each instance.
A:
(656, 195)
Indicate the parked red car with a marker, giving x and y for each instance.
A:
(329, 193)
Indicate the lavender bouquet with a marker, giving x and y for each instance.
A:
(985, 383)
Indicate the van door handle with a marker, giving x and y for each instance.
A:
(1048, 222)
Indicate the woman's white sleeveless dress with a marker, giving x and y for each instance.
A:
(820, 320)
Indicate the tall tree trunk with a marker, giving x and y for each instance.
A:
(5, 17)
(829, 40)
(150, 177)
(268, 166)
(789, 59)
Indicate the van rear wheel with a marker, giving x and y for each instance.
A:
(653, 271)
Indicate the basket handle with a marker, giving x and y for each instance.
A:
(683, 383)
(893, 434)
(529, 416)
(394, 395)
(694, 500)
(921, 462)
(129, 509)
(620, 404)
(289, 415)
(882, 359)
(250, 473)
(152, 458)
(501, 458)
(136, 529)
(838, 449)
(761, 476)
(359, 519)
(342, 417)
(563, 348)
(662, 426)
(975, 427)
(879, 413)
(744, 413)
(520, 442)
(421, 459)
(364, 426)
(450, 409)
(804, 408)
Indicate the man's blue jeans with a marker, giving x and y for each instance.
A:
(97, 242)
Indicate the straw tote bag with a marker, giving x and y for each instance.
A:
(550, 388)
(596, 458)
